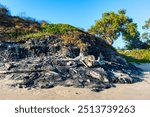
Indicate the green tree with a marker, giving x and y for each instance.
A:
(146, 27)
(146, 34)
(112, 25)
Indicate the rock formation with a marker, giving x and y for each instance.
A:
(48, 62)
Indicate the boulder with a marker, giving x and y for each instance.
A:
(98, 74)
(122, 77)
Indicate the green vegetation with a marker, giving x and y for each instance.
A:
(146, 26)
(49, 30)
(112, 25)
(68, 33)
(146, 35)
(57, 28)
(139, 56)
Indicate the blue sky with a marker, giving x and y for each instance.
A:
(79, 13)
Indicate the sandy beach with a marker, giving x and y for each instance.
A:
(136, 91)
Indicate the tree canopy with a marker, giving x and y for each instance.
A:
(146, 35)
(146, 27)
(112, 25)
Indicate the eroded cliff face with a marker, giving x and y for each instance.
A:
(49, 62)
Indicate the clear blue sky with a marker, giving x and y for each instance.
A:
(79, 13)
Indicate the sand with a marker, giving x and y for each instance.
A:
(136, 91)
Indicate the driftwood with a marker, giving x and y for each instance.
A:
(82, 59)
(70, 59)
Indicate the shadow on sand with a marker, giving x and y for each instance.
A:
(142, 68)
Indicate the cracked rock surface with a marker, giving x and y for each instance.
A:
(47, 62)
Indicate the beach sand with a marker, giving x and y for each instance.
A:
(136, 91)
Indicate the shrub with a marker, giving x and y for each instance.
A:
(140, 56)
(57, 28)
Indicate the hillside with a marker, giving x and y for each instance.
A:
(12, 26)
(46, 55)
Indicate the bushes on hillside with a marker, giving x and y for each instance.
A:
(57, 28)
